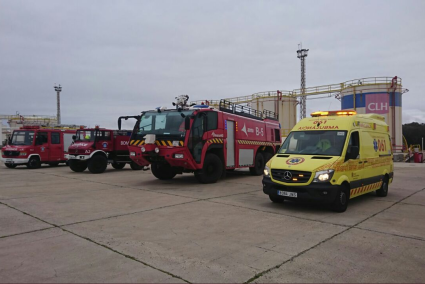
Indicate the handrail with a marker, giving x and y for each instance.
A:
(324, 89)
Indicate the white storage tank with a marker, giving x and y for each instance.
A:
(381, 95)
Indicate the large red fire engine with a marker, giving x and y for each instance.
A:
(36, 145)
(204, 140)
(96, 147)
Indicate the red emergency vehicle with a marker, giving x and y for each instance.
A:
(204, 140)
(36, 145)
(96, 147)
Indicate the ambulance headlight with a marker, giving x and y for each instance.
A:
(157, 150)
(132, 153)
(322, 176)
(266, 171)
(143, 149)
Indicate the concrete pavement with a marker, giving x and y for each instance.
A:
(126, 226)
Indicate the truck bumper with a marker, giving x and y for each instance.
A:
(323, 193)
(77, 157)
(16, 161)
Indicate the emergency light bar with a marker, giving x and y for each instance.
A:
(333, 113)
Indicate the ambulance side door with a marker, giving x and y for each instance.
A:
(354, 164)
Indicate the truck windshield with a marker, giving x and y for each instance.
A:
(162, 123)
(328, 142)
(22, 138)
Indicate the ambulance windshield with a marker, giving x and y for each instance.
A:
(328, 142)
(162, 123)
(22, 138)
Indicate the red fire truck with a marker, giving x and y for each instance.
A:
(204, 140)
(96, 147)
(36, 145)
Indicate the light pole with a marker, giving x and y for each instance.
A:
(302, 54)
(58, 90)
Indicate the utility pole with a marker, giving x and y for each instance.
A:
(302, 54)
(58, 90)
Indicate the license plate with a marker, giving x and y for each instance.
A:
(287, 193)
(9, 161)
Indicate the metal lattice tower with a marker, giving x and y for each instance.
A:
(58, 90)
(302, 54)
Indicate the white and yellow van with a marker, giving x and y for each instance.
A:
(332, 157)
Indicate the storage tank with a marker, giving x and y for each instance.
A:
(381, 95)
(284, 106)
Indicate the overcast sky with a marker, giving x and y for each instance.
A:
(121, 57)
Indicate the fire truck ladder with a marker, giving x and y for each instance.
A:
(246, 111)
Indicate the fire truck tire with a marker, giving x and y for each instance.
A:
(97, 164)
(77, 166)
(259, 164)
(267, 157)
(135, 167)
(10, 166)
(212, 169)
(162, 171)
(118, 166)
(34, 163)
(383, 191)
(55, 164)
(341, 201)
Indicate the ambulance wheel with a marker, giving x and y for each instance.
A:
(276, 199)
(383, 191)
(212, 169)
(118, 166)
(77, 166)
(162, 171)
(259, 164)
(55, 164)
(135, 167)
(267, 157)
(10, 166)
(341, 201)
(97, 164)
(34, 163)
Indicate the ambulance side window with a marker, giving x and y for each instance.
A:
(55, 138)
(211, 120)
(354, 141)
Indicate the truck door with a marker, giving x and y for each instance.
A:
(55, 153)
(356, 165)
(42, 146)
(196, 144)
(230, 157)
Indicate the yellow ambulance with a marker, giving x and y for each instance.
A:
(332, 157)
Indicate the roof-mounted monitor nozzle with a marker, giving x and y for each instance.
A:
(181, 102)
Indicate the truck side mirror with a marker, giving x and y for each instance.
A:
(187, 122)
(9, 141)
(119, 123)
(353, 153)
(74, 137)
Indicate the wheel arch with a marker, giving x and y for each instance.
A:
(99, 152)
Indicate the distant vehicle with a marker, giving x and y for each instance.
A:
(332, 157)
(204, 140)
(36, 145)
(94, 148)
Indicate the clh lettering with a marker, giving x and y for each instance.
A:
(378, 106)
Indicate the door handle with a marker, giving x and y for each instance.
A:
(365, 162)
(360, 162)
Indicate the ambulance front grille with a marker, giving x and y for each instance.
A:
(288, 176)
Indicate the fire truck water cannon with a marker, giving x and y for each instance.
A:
(181, 102)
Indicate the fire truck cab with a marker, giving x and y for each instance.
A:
(204, 140)
(36, 145)
(94, 148)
